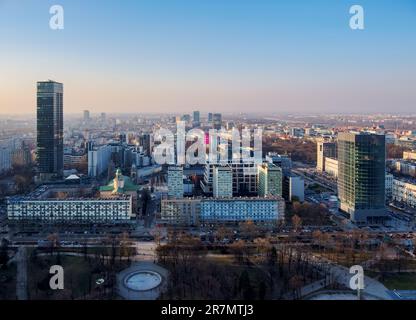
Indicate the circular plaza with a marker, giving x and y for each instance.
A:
(141, 281)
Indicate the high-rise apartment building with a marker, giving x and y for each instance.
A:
(222, 182)
(175, 182)
(361, 176)
(50, 129)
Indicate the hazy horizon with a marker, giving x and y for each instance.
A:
(155, 56)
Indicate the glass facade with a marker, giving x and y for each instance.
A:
(50, 128)
(361, 175)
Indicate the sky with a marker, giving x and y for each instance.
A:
(210, 55)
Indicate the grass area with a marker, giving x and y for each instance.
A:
(343, 259)
(80, 275)
(399, 281)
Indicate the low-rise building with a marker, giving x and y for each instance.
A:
(404, 192)
(55, 204)
(194, 211)
(331, 167)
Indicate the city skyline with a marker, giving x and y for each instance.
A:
(213, 56)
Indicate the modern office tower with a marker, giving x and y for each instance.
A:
(86, 115)
(210, 117)
(103, 116)
(362, 175)
(175, 182)
(99, 159)
(196, 119)
(146, 141)
(217, 121)
(244, 178)
(269, 180)
(50, 147)
(325, 150)
(222, 182)
(293, 188)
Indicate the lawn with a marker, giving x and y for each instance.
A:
(400, 281)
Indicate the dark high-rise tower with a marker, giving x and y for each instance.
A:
(196, 119)
(217, 121)
(50, 129)
(361, 176)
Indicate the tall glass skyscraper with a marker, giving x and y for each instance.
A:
(361, 176)
(50, 129)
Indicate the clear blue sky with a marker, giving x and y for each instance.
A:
(224, 55)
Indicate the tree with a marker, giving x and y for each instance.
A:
(53, 239)
(262, 290)
(4, 255)
(296, 222)
(245, 286)
(248, 229)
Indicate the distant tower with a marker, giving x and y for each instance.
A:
(50, 146)
(217, 121)
(196, 119)
(86, 116)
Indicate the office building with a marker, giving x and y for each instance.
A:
(293, 188)
(86, 116)
(269, 180)
(196, 211)
(362, 175)
(331, 167)
(175, 182)
(217, 121)
(196, 119)
(222, 182)
(266, 210)
(50, 129)
(282, 161)
(325, 150)
(404, 192)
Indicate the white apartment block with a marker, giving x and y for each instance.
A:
(70, 210)
(404, 192)
(331, 167)
(194, 211)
